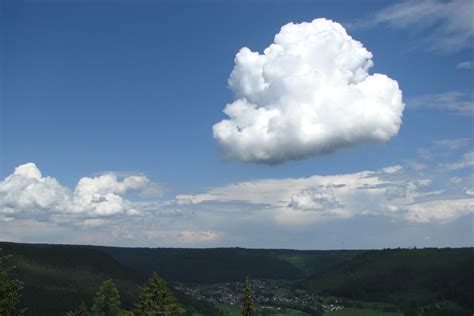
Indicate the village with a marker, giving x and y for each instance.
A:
(269, 294)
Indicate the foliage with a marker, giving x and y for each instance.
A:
(249, 305)
(9, 290)
(156, 299)
(80, 311)
(107, 299)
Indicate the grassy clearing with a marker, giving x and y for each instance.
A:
(361, 312)
(230, 309)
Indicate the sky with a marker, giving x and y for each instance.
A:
(262, 124)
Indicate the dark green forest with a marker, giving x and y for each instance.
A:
(410, 278)
(57, 278)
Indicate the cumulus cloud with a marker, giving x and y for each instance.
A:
(309, 93)
(27, 191)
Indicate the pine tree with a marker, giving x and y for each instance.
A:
(9, 290)
(156, 299)
(107, 299)
(249, 304)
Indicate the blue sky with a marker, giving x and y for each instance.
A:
(133, 89)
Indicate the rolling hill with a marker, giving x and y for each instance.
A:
(228, 264)
(405, 277)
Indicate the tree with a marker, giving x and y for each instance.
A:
(80, 311)
(249, 304)
(155, 298)
(107, 299)
(9, 290)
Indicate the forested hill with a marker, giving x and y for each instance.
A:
(58, 277)
(415, 277)
(228, 264)
(179, 264)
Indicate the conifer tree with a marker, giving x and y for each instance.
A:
(156, 299)
(9, 291)
(249, 305)
(107, 299)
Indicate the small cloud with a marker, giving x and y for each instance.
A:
(423, 182)
(455, 180)
(309, 93)
(465, 65)
(438, 210)
(457, 102)
(424, 153)
(441, 26)
(467, 161)
(392, 169)
(443, 147)
(415, 165)
(184, 199)
(452, 143)
(314, 199)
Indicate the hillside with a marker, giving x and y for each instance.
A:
(227, 264)
(57, 277)
(406, 277)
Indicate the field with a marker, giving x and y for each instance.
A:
(360, 312)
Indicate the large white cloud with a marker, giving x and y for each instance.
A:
(309, 93)
(27, 193)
